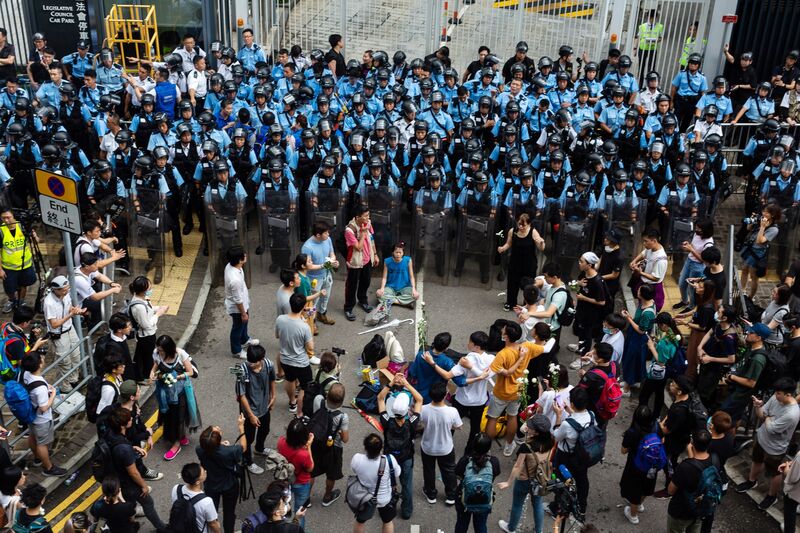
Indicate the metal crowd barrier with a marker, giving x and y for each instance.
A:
(85, 365)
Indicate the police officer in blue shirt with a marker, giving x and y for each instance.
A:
(718, 98)
(91, 91)
(688, 86)
(12, 91)
(250, 53)
(613, 117)
(783, 189)
(758, 108)
(77, 63)
(110, 74)
(624, 78)
(438, 120)
(358, 117)
(561, 96)
(524, 193)
(48, 93)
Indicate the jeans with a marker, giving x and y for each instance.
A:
(356, 286)
(229, 499)
(478, 521)
(300, 493)
(324, 283)
(407, 488)
(691, 269)
(255, 436)
(239, 334)
(134, 494)
(447, 467)
(521, 490)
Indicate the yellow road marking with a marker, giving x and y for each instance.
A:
(85, 504)
(578, 14)
(505, 3)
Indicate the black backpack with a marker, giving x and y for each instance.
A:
(93, 392)
(566, 316)
(373, 351)
(101, 462)
(697, 415)
(182, 514)
(321, 425)
(313, 389)
(496, 343)
(775, 368)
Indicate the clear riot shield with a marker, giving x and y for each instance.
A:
(225, 228)
(384, 211)
(787, 238)
(277, 223)
(326, 205)
(576, 233)
(148, 223)
(627, 221)
(431, 236)
(682, 216)
(475, 241)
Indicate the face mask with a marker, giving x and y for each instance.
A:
(148, 292)
(607, 331)
(609, 249)
(717, 317)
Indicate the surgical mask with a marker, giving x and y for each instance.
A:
(609, 249)
(607, 331)
(148, 293)
(717, 318)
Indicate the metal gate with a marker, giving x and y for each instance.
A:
(14, 18)
(545, 25)
(676, 16)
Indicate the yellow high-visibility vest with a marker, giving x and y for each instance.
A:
(15, 254)
(649, 36)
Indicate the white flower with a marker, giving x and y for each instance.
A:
(525, 372)
(535, 380)
(677, 337)
(520, 381)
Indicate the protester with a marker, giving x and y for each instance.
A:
(650, 266)
(43, 395)
(436, 445)
(12, 479)
(383, 472)
(296, 341)
(566, 435)
(471, 467)
(328, 460)
(677, 426)
(237, 302)
(590, 302)
(523, 243)
(748, 368)
(361, 257)
(716, 352)
(398, 285)
(660, 350)
(319, 248)
(295, 446)
(255, 391)
(118, 514)
(636, 485)
(640, 326)
(680, 514)
(700, 323)
(723, 447)
(205, 515)
(58, 312)
(145, 322)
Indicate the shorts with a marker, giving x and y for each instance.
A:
(498, 407)
(330, 464)
(43, 432)
(297, 373)
(387, 513)
(18, 278)
(770, 462)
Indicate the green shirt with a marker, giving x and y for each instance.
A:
(305, 286)
(748, 366)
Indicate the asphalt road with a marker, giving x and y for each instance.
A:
(459, 310)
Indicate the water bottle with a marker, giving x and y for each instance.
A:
(71, 479)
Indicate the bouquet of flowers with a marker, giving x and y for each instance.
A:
(526, 411)
(328, 265)
(574, 286)
(552, 369)
(422, 328)
(169, 379)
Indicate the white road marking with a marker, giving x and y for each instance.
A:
(417, 318)
(414, 528)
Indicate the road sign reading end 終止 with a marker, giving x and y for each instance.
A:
(60, 215)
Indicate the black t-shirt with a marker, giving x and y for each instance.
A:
(221, 467)
(679, 423)
(333, 55)
(585, 311)
(594, 381)
(611, 262)
(279, 527)
(118, 515)
(792, 350)
(686, 478)
(704, 316)
(794, 272)
(399, 433)
(7, 71)
(123, 456)
(720, 280)
(474, 67)
(724, 449)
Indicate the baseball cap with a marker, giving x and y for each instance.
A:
(89, 260)
(613, 236)
(128, 388)
(400, 405)
(762, 330)
(59, 282)
(539, 423)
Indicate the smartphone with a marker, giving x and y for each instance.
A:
(306, 504)
(6, 434)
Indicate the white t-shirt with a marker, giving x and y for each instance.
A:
(83, 284)
(235, 290)
(617, 341)
(474, 393)
(549, 397)
(566, 435)
(204, 509)
(367, 471)
(108, 143)
(656, 263)
(39, 396)
(58, 308)
(84, 245)
(439, 422)
(699, 244)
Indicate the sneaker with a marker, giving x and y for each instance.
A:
(57, 471)
(430, 499)
(172, 454)
(508, 448)
(767, 502)
(325, 319)
(573, 347)
(8, 306)
(265, 451)
(349, 315)
(240, 355)
(314, 360)
(184, 441)
(679, 305)
(450, 501)
(627, 512)
(366, 307)
(251, 342)
(641, 508)
(328, 500)
(293, 408)
(152, 475)
(255, 469)
(741, 488)
(661, 494)
(503, 525)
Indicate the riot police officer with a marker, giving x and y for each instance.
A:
(22, 155)
(478, 205)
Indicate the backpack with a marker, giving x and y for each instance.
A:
(496, 343)
(18, 398)
(698, 416)
(373, 351)
(39, 524)
(608, 307)
(93, 392)
(611, 396)
(477, 493)
(183, 515)
(566, 316)
(101, 350)
(321, 425)
(704, 500)
(313, 389)
(126, 309)
(281, 468)
(650, 455)
(101, 462)
(250, 523)
(8, 369)
(776, 367)
(677, 365)
(590, 445)
(367, 397)
(537, 483)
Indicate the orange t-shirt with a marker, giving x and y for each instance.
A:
(505, 387)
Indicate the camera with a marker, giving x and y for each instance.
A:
(338, 351)
(27, 217)
(754, 220)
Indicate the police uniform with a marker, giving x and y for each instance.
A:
(689, 89)
(187, 57)
(78, 65)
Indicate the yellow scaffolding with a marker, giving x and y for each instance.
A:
(131, 31)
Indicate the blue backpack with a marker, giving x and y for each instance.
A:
(590, 446)
(18, 398)
(477, 493)
(650, 455)
(705, 498)
(677, 365)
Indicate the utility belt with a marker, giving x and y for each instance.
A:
(55, 336)
(687, 99)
